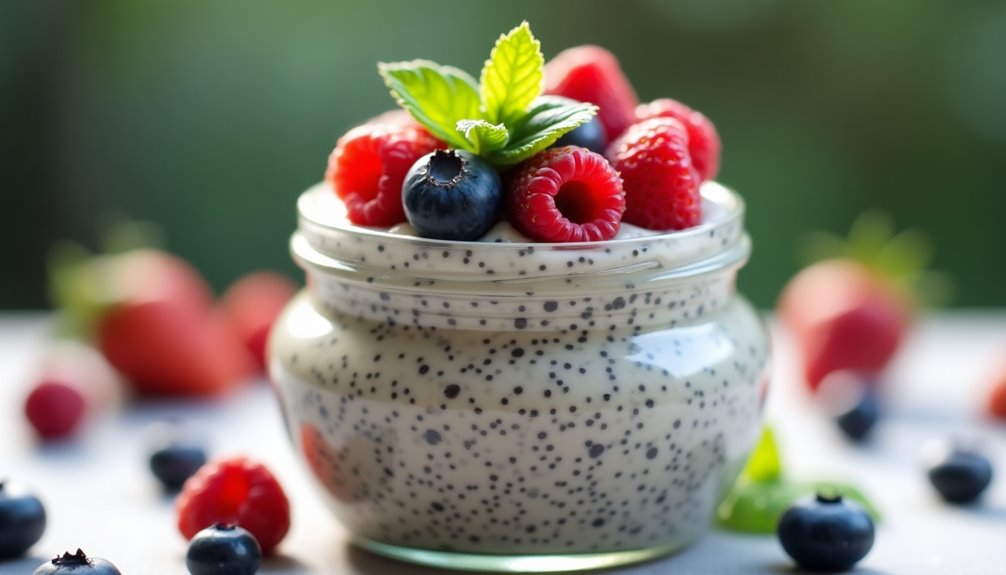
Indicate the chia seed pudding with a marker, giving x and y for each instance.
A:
(521, 398)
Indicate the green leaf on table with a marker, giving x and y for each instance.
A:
(548, 120)
(513, 76)
(764, 464)
(438, 97)
(484, 136)
(76, 289)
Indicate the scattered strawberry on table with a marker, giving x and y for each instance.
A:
(852, 310)
(570, 143)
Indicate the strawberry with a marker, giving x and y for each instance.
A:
(251, 305)
(592, 74)
(851, 311)
(996, 401)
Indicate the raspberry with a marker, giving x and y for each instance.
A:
(592, 74)
(566, 194)
(55, 409)
(368, 166)
(703, 141)
(239, 491)
(661, 186)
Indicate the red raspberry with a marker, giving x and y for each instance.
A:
(368, 166)
(55, 409)
(592, 74)
(566, 194)
(238, 491)
(661, 186)
(703, 141)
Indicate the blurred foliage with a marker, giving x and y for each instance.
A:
(210, 117)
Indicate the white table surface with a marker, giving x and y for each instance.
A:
(99, 494)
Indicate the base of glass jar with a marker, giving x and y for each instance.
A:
(499, 563)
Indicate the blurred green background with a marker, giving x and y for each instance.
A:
(210, 117)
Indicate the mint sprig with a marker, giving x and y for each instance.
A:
(503, 118)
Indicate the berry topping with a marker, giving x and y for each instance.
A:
(223, 549)
(239, 491)
(77, 564)
(368, 166)
(959, 475)
(22, 520)
(592, 74)
(55, 409)
(452, 195)
(661, 185)
(703, 141)
(590, 135)
(172, 464)
(826, 533)
(566, 194)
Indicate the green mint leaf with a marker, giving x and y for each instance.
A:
(484, 136)
(513, 75)
(546, 121)
(438, 97)
(764, 463)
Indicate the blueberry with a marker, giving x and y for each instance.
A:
(590, 135)
(22, 520)
(223, 549)
(452, 195)
(826, 533)
(173, 463)
(959, 475)
(77, 564)
(857, 422)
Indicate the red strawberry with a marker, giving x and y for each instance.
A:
(252, 304)
(165, 349)
(703, 141)
(844, 317)
(323, 460)
(661, 186)
(237, 491)
(368, 166)
(153, 275)
(592, 74)
(996, 402)
(566, 194)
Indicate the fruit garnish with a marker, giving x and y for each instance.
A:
(55, 409)
(503, 118)
(590, 135)
(826, 533)
(175, 462)
(22, 520)
(851, 311)
(452, 195)
(703, 140)
(592, 74)
(566, 194)
(223, 549)
(76, 564)
(661, 185)
(235, 490)
(762, 492)
(959, 474)
(368, 166)
(251, 306)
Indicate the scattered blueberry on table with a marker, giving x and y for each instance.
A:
(826, 533)
(857, 422)
(22, 520)
(77, 564)
(223, 549)
(172, 464)
(960, 475)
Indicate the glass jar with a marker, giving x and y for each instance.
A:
(521, 406)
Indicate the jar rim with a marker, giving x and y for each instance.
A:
(319, 209)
